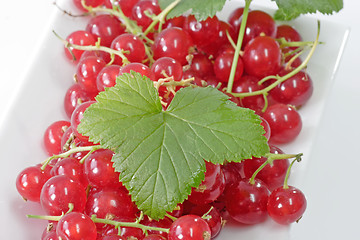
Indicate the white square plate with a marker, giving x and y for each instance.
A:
(40, 102)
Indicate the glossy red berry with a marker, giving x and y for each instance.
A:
(189, 227)
(58, 192)
(167, 67)
(53, 135)
(82, 38)
(107, 77)
(173, 42)
(211, 187)
(99, 170)
(247, 202)
(262, 57)
(222, 67)
(30, 181)
(106, 27)
(138, 12)
(272, 175)
(132, 44)
(295, 91)
(259, 23)
(76, 226)
(138, 67)
(286, 205)
(87, 71)
(285, 123)
(76, 117)
(74, 96)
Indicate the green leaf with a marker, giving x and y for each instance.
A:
(290, 9)
(160, 154)
(202, 9)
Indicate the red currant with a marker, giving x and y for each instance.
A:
(286, 205)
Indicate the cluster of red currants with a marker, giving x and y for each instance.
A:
(184, 49)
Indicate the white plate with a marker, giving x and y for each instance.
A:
(40, 102)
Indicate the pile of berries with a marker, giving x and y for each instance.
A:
(175, 53)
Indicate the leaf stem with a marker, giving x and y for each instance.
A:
(238, 46)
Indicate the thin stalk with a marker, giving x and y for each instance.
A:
(238, 46)
(297, 159)
(161, 16)
(285, 77)
(69, 152)
(97, 47)
(128, 224)
(271, 157)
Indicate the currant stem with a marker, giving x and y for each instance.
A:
(285, 77)
(297, 159)
(69, 152)
(283, 43)
(94, 48)
(271, 157)
(127, 224)
(238, 46)
(161, 16)
(105, 221)
(171, 217)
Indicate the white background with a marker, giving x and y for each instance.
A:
(23, 24)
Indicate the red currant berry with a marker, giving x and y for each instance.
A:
(138, 67)
(285, 123)
(30, 181)
(167, 67)
(259, 23)
(173, 42)
(234, 18)
(222, 67)
(131, 43)
(58, 192)
(106, 27)
(76, 226)
(250, 84)
(199, 29)
(87, 71)
(247, 202)
(295, 91)
(262, 57)
(99, 170)
(211, 187)
(82, 38)
(289, 33)
(201, 65)
(107, 77)
(189, 227)
(74, 96)
(139, 15)
(109, 202)
(286, 205)
(126, 6)
(214, 219)
(272, 175)
(76, 117)
(53, 135)
(72, 168)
